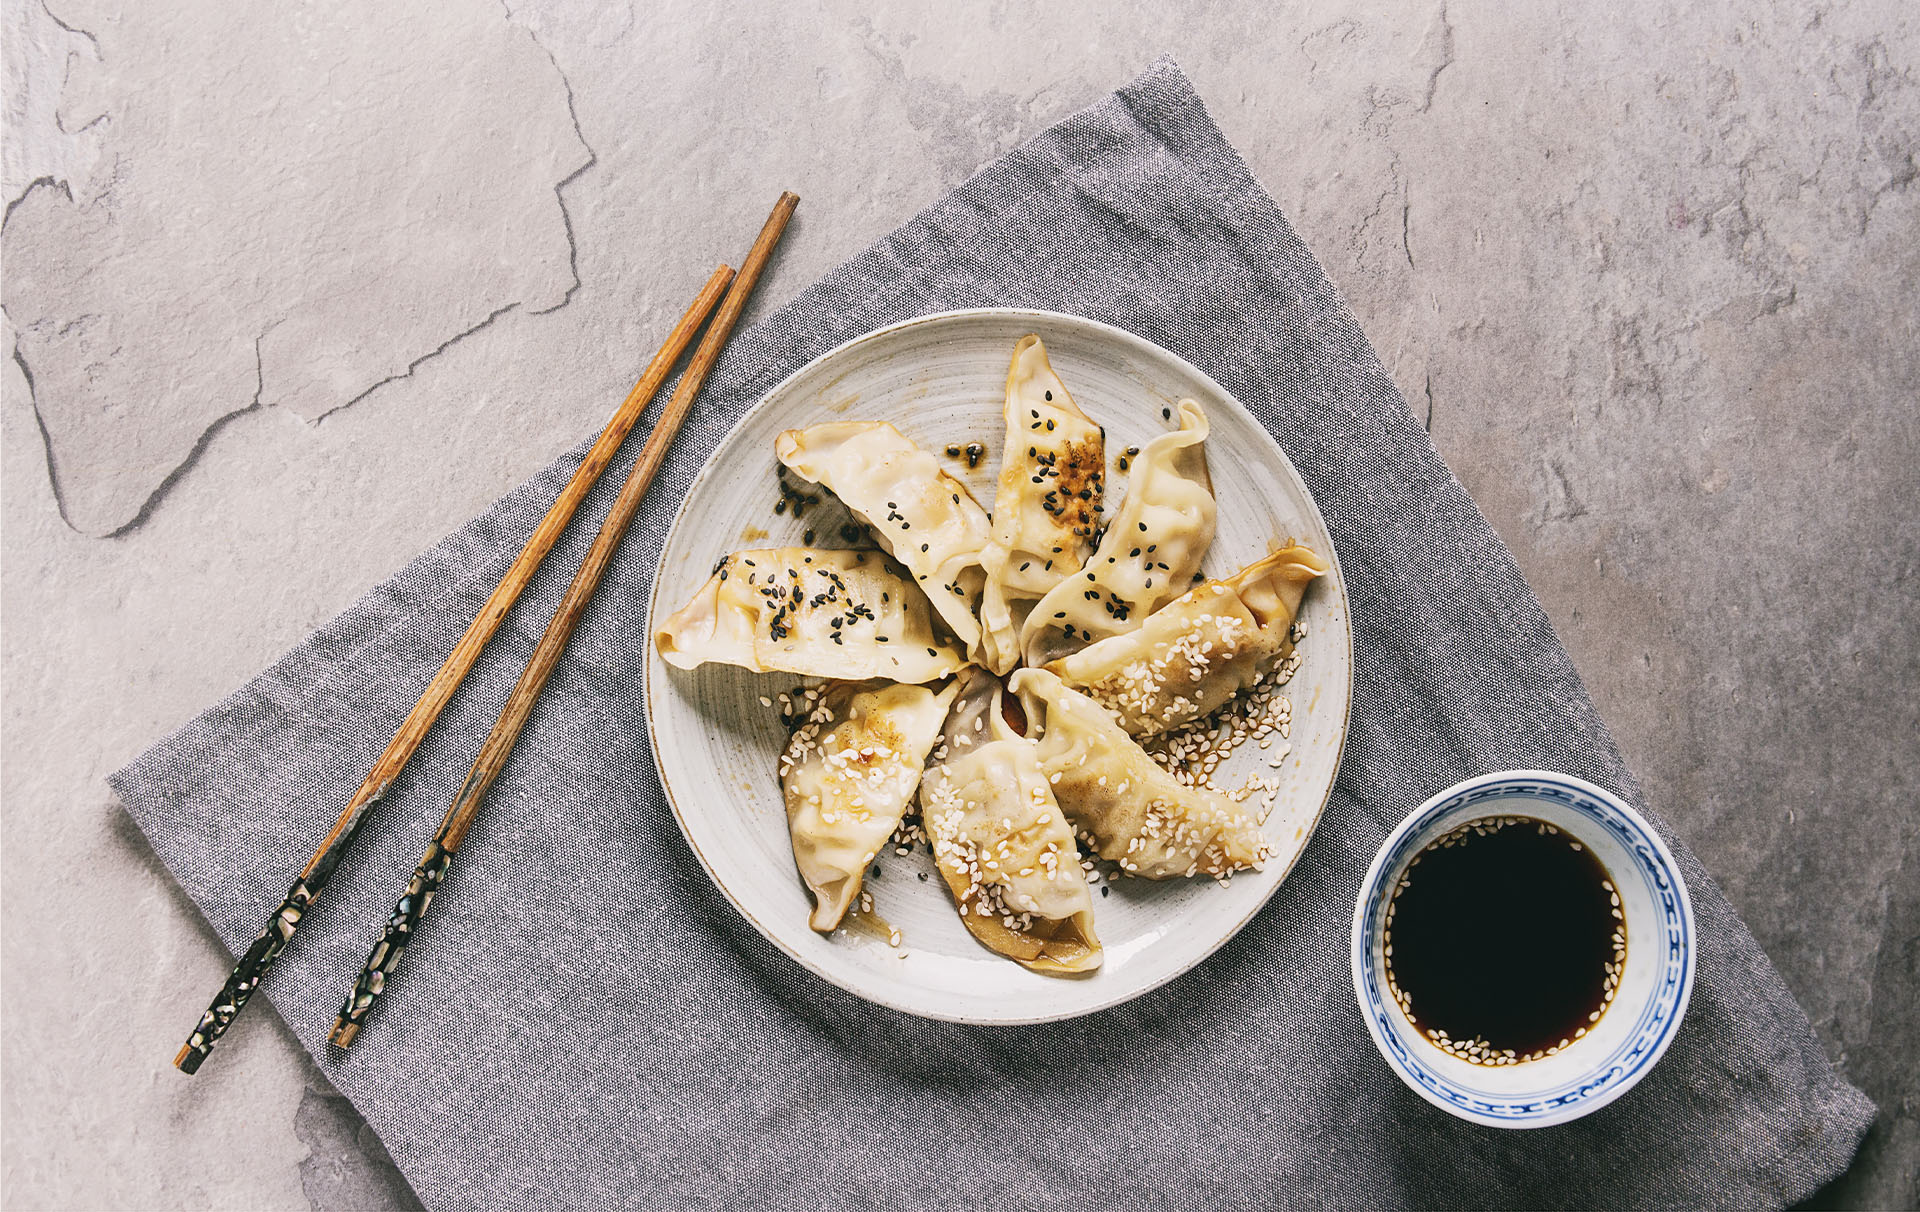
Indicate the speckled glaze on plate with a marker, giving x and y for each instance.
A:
(940, 379)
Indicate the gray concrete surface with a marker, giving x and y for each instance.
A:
(291, 295)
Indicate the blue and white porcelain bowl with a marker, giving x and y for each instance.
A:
(1651, 999)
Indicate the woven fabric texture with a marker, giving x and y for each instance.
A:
(587, 1023)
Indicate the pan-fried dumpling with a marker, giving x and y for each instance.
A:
(1149, 554)
(806, 610)
(1198, 651)
(1137, 814)
(849, 772)
(1047, 505)
(923, 516)
(1003, 846)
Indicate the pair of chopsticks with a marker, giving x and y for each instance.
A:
(259, 958)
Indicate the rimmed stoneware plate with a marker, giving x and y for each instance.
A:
(941, 379)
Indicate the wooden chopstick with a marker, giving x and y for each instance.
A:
(254, 965)
(432, 869)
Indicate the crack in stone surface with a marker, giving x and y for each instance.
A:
(173, 477)
(36, 183)
(365, 233)
(428, 356)
(559, 189)
(39, 148)
(1440, 37)
(70, 28)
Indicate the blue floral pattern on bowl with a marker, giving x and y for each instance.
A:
(1663, 932)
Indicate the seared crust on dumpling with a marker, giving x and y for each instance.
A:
(1199, 650)
(1046, 508)
(1150, 552)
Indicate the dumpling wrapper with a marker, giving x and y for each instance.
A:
(1149, 555)
(1047, 505)
(924, 517)
(1002, 844)
(1198, 651)
(811, 611)
(1137, 814)
(848, 774)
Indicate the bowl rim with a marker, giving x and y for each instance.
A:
(709, 467)
(1593, 1089)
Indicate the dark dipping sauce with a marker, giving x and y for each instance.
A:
(1505, 941)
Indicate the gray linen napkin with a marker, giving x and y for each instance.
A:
(588, 1023)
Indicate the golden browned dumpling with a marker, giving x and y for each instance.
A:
(924, 517)
(1137, 814)
(849, 772)
(1003, 847)
(1047, 505)
(1198, 651)
(807, 610)
(1148, 556)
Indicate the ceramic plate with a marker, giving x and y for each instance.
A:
(941, 379)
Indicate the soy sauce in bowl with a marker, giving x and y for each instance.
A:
(1505, 941)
